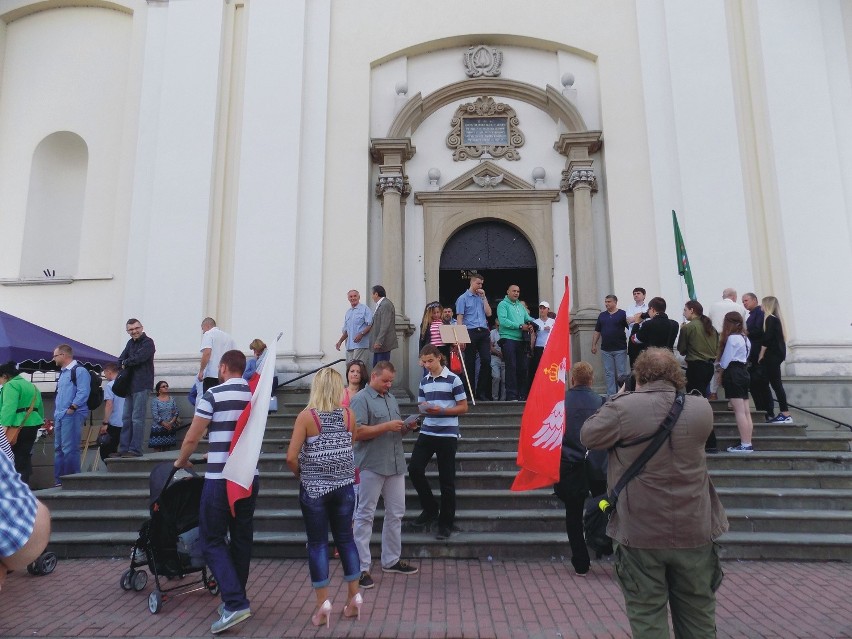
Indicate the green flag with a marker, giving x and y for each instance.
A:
(682, 260)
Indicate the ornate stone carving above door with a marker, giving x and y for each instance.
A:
(485, 127)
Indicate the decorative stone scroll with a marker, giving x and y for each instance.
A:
(571, 179)
(485, 126)
(480, 61)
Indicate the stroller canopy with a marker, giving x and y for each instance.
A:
(31, 346)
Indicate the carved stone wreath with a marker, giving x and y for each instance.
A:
(485, 126)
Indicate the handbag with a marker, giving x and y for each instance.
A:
(103, 439)
(598, 510)
(121, 385)
(12, 432)
(455, 362)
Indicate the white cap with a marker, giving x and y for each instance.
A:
(545, 304)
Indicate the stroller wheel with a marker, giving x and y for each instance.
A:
(126, 579)
(155, 602)
(33, 569)
(47, 563)
(212, 585)
(139, 581)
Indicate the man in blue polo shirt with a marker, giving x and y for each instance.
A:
(473, 311)
(609, 331)
(442, 398)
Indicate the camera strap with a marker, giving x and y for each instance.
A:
(665, 429)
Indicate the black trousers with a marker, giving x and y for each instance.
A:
(573, 488)
(759, 387)
(23, 450)
(773, 378)
(480, 343)
(698, 376)
(538, 351)
(114, 433)
(444, 448)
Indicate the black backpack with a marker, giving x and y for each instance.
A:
(96, 393)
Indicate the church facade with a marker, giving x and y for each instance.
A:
(253, 160)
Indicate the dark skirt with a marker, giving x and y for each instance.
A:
(735, 381)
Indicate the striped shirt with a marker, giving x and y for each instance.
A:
(222, 405)
(435, 333)
(444, 391)
(326, 461)
(17, 509)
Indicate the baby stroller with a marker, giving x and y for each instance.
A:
(168, 542)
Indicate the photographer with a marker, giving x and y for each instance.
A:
(666, 518)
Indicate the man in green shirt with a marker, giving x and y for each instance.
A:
(515, 325)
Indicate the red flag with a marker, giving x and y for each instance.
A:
(543, 421)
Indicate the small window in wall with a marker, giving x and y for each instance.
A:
(55, 204)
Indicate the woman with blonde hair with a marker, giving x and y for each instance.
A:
(735, 348)
(773, 351)
(320, 456)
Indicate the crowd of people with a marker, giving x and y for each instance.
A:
(750, 362)
(346, 450)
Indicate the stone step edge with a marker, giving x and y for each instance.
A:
(59, 493)
(464, 515)
(482, 539)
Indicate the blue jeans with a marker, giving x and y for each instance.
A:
(615, 363)
(228, 563)
(515, 358)
(334, 509)
(133, 418)
(67, 432)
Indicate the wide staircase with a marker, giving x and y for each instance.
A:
(791, 499)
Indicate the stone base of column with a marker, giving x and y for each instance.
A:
(401, 359)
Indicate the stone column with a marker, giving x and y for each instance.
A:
(579, 182)
(392, 188)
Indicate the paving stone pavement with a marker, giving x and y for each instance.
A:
(446, 599)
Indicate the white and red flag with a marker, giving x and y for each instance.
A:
(248, 435)
(543, 421)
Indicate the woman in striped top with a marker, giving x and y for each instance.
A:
(320, 456)
(430, 329)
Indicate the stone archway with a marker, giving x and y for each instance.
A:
(497, 251)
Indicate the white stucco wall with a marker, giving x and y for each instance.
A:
(704, 108)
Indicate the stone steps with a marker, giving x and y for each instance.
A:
(790, 499)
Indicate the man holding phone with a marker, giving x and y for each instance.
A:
(442, 398)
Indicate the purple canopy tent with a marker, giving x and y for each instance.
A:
(31, 346)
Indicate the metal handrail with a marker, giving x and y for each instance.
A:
(810, 412)
(290, 381)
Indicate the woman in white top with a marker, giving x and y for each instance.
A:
(734, 346)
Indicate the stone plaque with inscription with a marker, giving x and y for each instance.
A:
(489, 131)
(485, 126)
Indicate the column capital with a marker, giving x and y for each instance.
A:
(394, 182)
(391, 150)
(577, 146)
(578, 178)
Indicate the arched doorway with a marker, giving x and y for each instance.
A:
(497, 251)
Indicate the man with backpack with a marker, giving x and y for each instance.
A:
(138, 358)
(72, 395)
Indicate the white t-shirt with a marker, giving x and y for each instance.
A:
(719, 309)
(542, 335)
(219, 342)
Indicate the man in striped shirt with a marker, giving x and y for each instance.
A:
(442, 398)
(217, 412)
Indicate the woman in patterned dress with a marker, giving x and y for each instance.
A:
(320, 456)
(164, 413)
